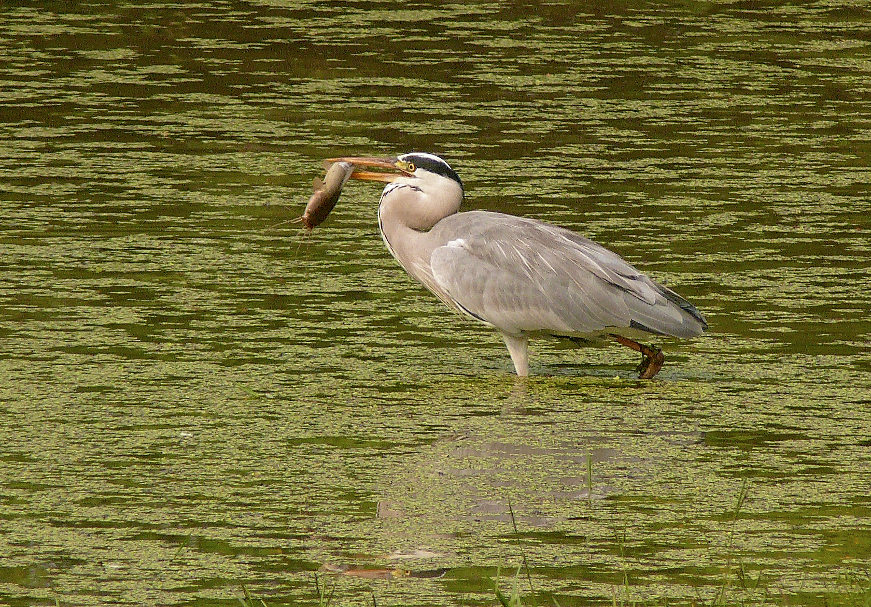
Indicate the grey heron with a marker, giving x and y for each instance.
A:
(522, 276)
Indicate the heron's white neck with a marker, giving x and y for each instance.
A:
(409, 208)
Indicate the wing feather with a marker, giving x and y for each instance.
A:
(522, 275)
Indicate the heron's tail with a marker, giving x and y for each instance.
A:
(693, 319)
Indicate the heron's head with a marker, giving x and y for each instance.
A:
(425, 171)
(428, 166)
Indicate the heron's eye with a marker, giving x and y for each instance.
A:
(406, 166)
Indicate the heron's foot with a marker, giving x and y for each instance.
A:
(651, 362)
(652, 357)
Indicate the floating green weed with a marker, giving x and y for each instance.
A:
(854, 590)
(590, 478)
(858, 594)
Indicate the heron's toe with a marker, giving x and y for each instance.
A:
(651, 363)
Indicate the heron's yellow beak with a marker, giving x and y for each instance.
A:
(393, 168)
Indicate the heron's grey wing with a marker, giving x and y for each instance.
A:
(692, 322)
(523, 275)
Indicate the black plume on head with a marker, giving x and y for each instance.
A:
(433, 164)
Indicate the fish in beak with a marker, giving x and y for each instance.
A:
(339, 170)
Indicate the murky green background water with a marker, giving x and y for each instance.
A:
(195, 395)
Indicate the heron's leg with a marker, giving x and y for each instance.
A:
(518, 346)
(651, 357)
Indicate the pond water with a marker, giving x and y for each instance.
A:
(196, 395)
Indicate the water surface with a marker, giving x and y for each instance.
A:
(196, 395)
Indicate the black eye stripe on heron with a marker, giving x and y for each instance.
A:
(521, 276)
